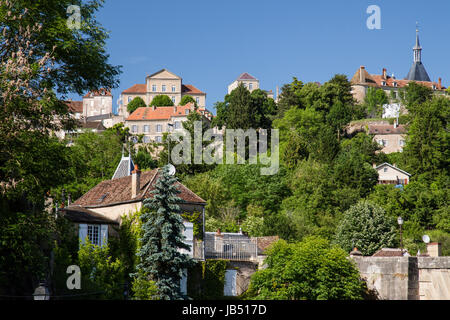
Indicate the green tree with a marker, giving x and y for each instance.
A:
(366, 227)
(353, 166)
(162, 228)
(243, 110)
(307, 270)
(100, 273)
(161, 100)
(137, 102)
(188, 99)
(374, 101)
(415, 94)
(427, 150)
(289, 97)
(41, 60)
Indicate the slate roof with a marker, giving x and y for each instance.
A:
(417, 72)
(118, 191)
(97, 125)
(125, 167)
(82, 215)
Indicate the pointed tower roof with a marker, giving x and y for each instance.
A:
(417, 71)
(125, 167)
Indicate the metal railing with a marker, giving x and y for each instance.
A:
(227, 249)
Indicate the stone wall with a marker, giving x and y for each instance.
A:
(406, 278)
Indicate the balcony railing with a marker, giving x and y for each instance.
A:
(227, 249)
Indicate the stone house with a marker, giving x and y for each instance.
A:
(362, 80)
(250, 82)
(97, 103)
(390, 137)
(152, 122)
(162, 82)
(102, 207)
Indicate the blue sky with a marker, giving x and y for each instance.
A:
(209, 43)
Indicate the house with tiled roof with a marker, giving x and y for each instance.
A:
(99, 210)
(362, 80)
(248, 81)
(162, 82)
(153, 121)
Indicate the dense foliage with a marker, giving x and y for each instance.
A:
(137, 102)
(161, 100)
(307, 270)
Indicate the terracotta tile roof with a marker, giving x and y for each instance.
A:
(386, 129)
(75, 106)
(118, 191)
(82, 215)
(375, 80)
(160, 113)
(190, 89)
(387, 252)
(100, 92)
(137, 88)
(246, 76)
(265, 242)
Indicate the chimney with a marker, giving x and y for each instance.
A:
(434, 249)
(384, 74)
(440, 84)
(362, 76)
(135, 182)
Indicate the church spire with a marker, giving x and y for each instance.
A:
(417, 48)
(417, 71)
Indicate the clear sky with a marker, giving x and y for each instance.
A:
(209, 42)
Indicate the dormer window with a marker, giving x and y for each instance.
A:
(434, 87)
(383, 83)
(395, 84)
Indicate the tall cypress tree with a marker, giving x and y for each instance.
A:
(162, 237)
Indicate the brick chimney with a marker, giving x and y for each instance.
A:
(384, 73)
(362, 76)
(434, 249)
(440, 84)
(135, 182)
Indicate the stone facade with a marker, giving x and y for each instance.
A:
(406, 278)
(162, 82)
(97, 103)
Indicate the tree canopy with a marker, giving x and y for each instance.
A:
(161, 100)
(137, 102)
(307, 270)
